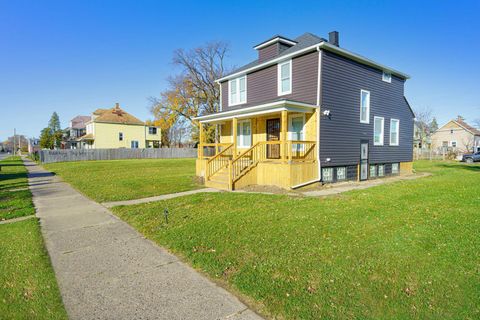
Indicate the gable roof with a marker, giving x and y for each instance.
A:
(309, 42)
(115, 115)
(467, 127)
(79, 122)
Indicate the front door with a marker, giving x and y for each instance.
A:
(364, 160)
(273, 134)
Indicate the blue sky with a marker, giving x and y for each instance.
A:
(75, 56)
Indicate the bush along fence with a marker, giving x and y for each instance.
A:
(50, 156)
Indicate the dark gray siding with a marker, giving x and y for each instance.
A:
(342, 80)
(262, 84)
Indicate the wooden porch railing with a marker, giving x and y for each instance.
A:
(292, 151)
(219, 161)
(209, 150)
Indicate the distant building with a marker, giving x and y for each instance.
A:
(33, 145)
(77, 129)
(457, 135)
(115, 128)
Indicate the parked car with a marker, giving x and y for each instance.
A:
(471, 158)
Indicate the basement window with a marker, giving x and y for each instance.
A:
(381, 170)
(341, 173)
(373, 171)
(395, 167)
(327, 174)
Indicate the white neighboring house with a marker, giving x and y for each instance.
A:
(457, 135)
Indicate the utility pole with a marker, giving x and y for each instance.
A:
(14, 135)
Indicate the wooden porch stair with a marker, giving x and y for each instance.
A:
(219, 180)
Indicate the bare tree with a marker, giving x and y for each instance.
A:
(423, 121)
(193, 92)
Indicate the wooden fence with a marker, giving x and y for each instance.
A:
(50, 156)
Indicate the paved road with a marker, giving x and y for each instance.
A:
(106, 270)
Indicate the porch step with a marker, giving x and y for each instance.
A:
(217, 184)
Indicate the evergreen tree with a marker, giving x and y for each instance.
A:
(433, 125)
(46, 139)
(54, 123)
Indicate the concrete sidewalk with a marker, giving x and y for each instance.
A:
(107, 270)
(157, 198)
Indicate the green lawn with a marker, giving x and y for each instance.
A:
(13, 203)
(128, 179)
(406, 250)
(28, 289)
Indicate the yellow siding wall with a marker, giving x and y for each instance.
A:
(106, 135)
(152, 137)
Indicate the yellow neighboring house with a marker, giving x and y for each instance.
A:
(115, 128)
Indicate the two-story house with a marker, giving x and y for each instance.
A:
(307, 110)
(115, 128)
(77, 129)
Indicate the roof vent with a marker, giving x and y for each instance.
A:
(333, 38)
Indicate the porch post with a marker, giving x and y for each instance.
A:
(234, 138)
(283, 135)
(200, 140)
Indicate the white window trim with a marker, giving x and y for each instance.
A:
(368, 106)
(240, 142)
(451, 143)
(279, 78)
(238, 102)
(395, 143)
(382, 134)
(389, 80)
(290, 125)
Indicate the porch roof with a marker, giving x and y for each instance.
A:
(271, 107)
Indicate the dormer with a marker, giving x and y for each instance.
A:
(272, 47)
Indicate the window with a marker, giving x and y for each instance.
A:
(152, 130)
(327, 174)
(381, 170)
(395, 167)
(237, 89)
(444, 144)
(378, 131)
(373, 171)
(285, 78)
(364, 106)
(134, 144)
(341, 173)
(120, 136)
(244, 134)
(394, 132)
(295, 130)
(453, 144)
(387, 77)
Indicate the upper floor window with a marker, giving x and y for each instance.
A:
(394, 132)
(120, 136)
(285, 78)
(152, 130)
(237, 89)
(364, 106)
(387, 77)
(378, 123)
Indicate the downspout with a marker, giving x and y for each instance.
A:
(318, 111)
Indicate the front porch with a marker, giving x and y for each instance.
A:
(277, 147)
